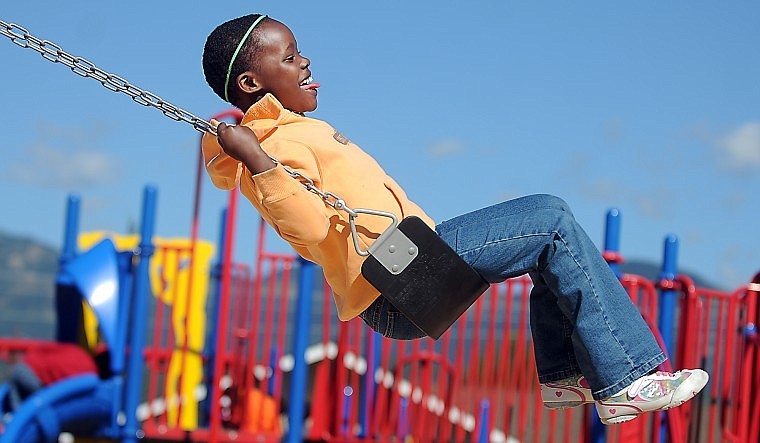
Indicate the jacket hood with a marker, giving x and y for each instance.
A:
(265, 115)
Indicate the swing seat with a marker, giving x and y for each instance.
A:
(435, 288)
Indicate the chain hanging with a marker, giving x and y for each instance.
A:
(83, 67)
(80, 66)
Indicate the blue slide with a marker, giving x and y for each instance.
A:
(81, 405)
(116, 286)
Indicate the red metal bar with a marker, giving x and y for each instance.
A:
(282, 329)
(746, 377)
(215, 427)
(753, 290)
(322, 390)
(459, 368)
(155, 356)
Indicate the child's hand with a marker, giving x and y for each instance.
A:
(240, 143)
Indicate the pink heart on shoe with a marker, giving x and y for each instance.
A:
(612, 411)
(558, 394)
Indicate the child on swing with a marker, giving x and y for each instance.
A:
(591, 343)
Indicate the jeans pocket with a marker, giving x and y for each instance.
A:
(390, 323)
(383, 318)
(371, 315)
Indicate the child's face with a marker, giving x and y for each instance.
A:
(283, 71)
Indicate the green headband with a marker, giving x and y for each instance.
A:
(235, 54)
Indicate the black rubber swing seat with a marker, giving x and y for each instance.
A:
(435, 289)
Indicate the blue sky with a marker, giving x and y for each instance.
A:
(653, 108)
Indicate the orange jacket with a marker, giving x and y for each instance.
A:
(318, 232)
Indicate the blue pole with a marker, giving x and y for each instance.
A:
(71, 230)
(300, 341)
(484, 424)
(401, 430)
(611, 244)
(369, 382)
(668, 301)
(668, 296)
(348, 393)
(132, 431)
(612, 236)
(273, 363)
(67, 299)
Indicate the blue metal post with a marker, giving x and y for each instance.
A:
(668, 297)
(348, 394)
(67, 298)
(611, 245)
(300, 341)
(612, 236)
(132, 431)
(402, 427)
(273, 363)
(71, 230)
(368, 381)
(484, 422)
(668, 301)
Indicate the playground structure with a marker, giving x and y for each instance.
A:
(272, 367)
(278, 366)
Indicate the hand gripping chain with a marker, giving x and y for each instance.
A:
(83, 67)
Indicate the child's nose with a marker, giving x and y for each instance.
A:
(305, 62)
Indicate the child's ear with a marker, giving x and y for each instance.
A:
(247, 83)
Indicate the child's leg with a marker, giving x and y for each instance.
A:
(552, 334)
(538, 234)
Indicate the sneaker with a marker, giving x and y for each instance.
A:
(567, 393)
(654, 392)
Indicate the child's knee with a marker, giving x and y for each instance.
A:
(553, 202)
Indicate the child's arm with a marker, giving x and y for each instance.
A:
(298, 215)
(240, 143)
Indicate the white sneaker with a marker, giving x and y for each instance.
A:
(567, 393)
(654, 392)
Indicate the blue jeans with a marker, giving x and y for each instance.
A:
(582, 320)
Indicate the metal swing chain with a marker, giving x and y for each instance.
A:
(80, 66)
(84, 68)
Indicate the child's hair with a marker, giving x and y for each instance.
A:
(220, 47)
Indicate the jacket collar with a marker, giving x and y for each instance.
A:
(265, 115)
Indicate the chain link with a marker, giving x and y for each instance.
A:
(83, 67)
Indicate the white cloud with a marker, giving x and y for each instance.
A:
(445, 148)
(740, 149)
(652, 205)
(614, 131)
(62, 157)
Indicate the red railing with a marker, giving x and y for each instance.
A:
(436, 390)
(367, 388)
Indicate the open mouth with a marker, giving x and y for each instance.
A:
(309, 83)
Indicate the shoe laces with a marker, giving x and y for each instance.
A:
(640, 383)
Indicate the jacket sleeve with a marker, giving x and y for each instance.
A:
(223, 170)
(300, 216)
